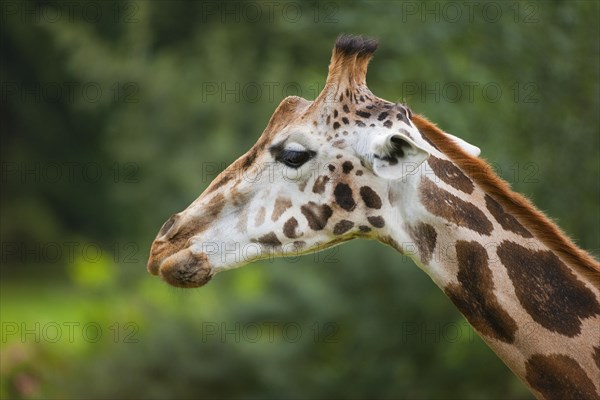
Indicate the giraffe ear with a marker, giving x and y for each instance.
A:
(396, 155)
(466, 146)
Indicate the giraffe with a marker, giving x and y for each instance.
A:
(351, 165)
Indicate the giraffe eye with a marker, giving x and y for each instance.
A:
(294, 158)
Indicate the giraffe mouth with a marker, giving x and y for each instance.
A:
(182, 269)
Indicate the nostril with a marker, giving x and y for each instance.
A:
(168, 225)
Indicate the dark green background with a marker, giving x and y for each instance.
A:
(116, 115)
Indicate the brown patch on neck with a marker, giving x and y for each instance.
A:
(547, 289)
(505, 220)
(449, 207)
(425, 238)
(451, 174)
(558, 376)
(281, 204)
(474, 294)
(515, 204)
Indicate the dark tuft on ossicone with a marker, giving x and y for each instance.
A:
(353, 44)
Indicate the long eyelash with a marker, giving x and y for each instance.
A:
(281, 157)
(277, 149)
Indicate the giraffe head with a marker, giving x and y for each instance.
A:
(323, 172)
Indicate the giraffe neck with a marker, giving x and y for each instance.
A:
(538, 313)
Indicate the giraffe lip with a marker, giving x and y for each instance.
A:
(184, 269)
(153, 266)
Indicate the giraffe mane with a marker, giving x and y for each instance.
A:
(518, 205)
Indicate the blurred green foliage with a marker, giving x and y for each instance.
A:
(117, 114)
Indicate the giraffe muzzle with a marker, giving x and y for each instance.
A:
(183, 269)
